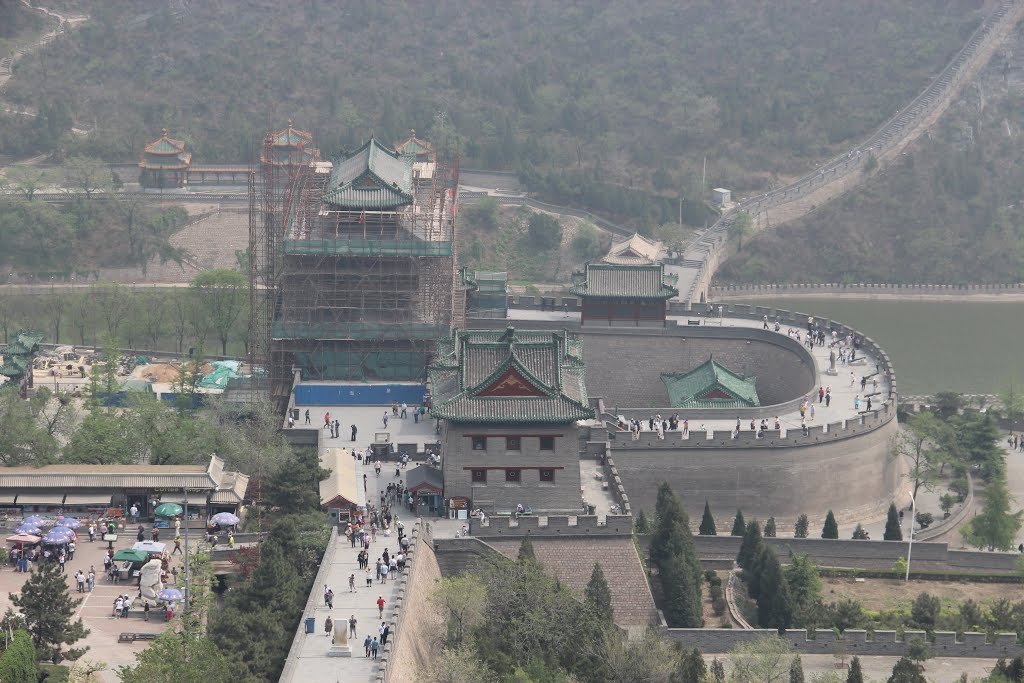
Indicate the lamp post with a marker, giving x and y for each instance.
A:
(185, 605)
(910, 546)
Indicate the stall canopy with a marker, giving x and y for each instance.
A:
(7, 498)
(41, 498)
(339, 489)
(193, 498)
(87, 498)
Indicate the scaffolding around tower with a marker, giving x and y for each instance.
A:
(355, 263)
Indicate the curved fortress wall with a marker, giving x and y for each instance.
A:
(847, 470)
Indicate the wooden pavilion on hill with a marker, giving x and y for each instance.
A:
(636, 250)
(164, 163)
(614, 293)
(290, 147)
(419, 148)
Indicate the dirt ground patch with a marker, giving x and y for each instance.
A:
(887, 594)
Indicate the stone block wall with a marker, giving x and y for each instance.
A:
(883, 643)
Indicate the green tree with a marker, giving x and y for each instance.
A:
(846, 614)
(18, 661)
(179, 657)
(641, 525)
(1011, 400)
(526, 553)
(763, 661)
(48, 609)
(751, 547)
(544, 230)
(996, 527)
(769, 528)
(25, 440)
(796, 671)
(831, 529)
(707, 522)
(717, 670)
(802, 527)
(893, 532)
(918, 649)
(26, 179)
(481, 215)
(907, 671)
(106, 438)
(586, 243)
(87, 175)
(222, 296)
(740, 227)
(925, 611)
(598, 596)
(928, 444)
(457, 665)
(774, 602)
(977, 442)
(855, 674)
(739, 527)
(460, 600)
(805, 588)
(691, 668)
(946, 404)
(673, 552)
(295, 487)
(969, 615)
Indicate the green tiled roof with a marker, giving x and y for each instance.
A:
(18, 353)
(548, 362)
(371, 178)
(710, 385)
(613, 281)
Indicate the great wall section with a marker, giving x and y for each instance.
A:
(703, 256)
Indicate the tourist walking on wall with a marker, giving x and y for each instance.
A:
(328, 625)
(352, 626)
(380, 605)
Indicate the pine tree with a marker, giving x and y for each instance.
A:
(691, 668)
(749, 547)
(672, 550)
(802, 527)
(598, 597)
(906, 671)
(641, 525)
(892, 525)
(526, 550)
(707, 522)
(831, 529)
(796, 671)
(18, 662)
(739, 527)
(48, 607)
(860, 533)
(769, 528)
(774, 603)
(718, 670)
(855, 675)
(753, 576)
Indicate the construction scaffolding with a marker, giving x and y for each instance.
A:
(358, 274)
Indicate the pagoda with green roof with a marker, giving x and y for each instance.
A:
(420, 149)
(509, 402)
(635, 293)
(18, 354)
(289, 148)
(164, 163)
(373, 178)
(711, 385)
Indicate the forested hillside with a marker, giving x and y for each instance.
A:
(950, 211)
(636, 94)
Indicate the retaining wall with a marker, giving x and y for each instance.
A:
(864, 288)
(852, 642)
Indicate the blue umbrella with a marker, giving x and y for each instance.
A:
(224, 519)
(29, 529)
(169, 594)
(69, 522)
(58, 536)
(34, 519)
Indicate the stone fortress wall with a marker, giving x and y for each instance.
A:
(844, 466)
(852, 642)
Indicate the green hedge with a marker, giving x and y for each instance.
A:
(923, 575)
